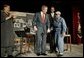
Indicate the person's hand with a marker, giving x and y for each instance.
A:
(10, 16)
(51, 28)
(13, 15)
(35, 28)
(48, 30)
(63, 34)
(79, 36)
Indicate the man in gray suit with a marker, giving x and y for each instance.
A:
(41, 26)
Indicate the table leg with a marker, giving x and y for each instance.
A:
(70, 43)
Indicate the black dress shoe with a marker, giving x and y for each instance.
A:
(38, 54)
(51, 51)
(10, 56)
(43, 54)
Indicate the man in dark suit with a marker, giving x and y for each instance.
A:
(41, 26)
(51, 34)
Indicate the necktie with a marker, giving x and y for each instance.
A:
(43, 18)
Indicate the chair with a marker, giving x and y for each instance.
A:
(17, 43)
(28, 39)
(20, 34)
(68, 36)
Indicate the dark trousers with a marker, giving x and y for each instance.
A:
(52, 44)
(6, 51)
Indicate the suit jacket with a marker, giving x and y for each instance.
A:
(51, 20)
(37, 22)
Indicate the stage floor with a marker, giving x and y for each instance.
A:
(77, 51)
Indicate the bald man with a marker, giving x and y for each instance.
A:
(60, 30)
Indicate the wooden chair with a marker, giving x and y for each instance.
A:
(18, 43)
(68, 37)
(28, 38)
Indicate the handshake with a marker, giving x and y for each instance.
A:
(35, 29)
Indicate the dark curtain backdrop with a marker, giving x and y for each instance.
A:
(76, 39)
